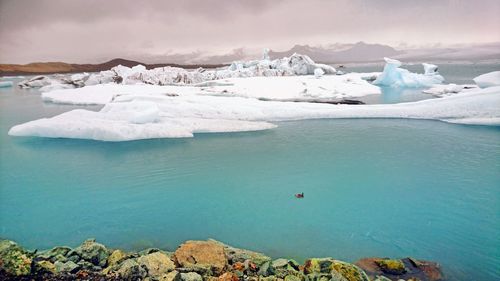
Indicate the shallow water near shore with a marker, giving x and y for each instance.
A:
(391, 188)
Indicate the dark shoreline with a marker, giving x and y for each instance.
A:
(197, 261)
(46, 68)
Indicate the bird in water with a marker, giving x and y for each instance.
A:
(299, 195)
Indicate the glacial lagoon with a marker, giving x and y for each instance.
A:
(386, 187)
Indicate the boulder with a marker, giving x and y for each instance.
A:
(338, 270)
(431, 270)
(240, 255)
(66, 267)
(156, 264)
(54, 254)
(116, 257)
(284, 267)
(88, 266)
(228, 276)
(266, 269)
(131, 270)
(349, 271)
(280, 263)
(292, 278)
(191, 276)
(44, 267)
(14, 259)
(393, 269)
(171, 276)
(322, 277)
(93, 252)
(201, 255)
(318, 265)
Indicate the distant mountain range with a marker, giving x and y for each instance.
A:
(340, 53)
(332, 54)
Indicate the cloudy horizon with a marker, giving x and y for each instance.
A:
(94, 31)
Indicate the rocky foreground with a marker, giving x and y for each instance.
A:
(196, 261)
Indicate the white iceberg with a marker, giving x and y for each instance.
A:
(6, 84)
(318, 72)
(490, 79)
(36, 82)
(393, 76)
(142, 116)
(449, 89)
(288, 66)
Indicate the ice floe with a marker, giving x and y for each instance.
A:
(440, 90)
(5, 84)
(393, 76)
(282, 88)
(490, 79)
(141, 115)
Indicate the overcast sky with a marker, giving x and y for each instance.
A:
(94, 30)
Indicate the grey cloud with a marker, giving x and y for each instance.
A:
(91, 30)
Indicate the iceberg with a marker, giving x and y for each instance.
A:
(393, 76)
(449, 89)
(490, 79)
(6, 84)
(288, 66)
(318, 72)
(158, 115)
(36, 82)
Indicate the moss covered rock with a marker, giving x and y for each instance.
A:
(93, 252)
(66, 267)
(14, 259)
(349, 271)
(44, 267)
(54, 254)
(318, 265)
(131, 270)
(191, 276)
(156, 264)
(391, 266)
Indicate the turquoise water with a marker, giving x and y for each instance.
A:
(392, 188)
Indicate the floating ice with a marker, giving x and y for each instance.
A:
(449, 89)
(5, 84)
(288, 88)
(288, 66)
(490, 79)
(318, 72)
(394, 76)
(134, 116)
(36, 82)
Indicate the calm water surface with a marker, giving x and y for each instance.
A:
(392, 188)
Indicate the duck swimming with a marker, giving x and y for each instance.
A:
(299, 195)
